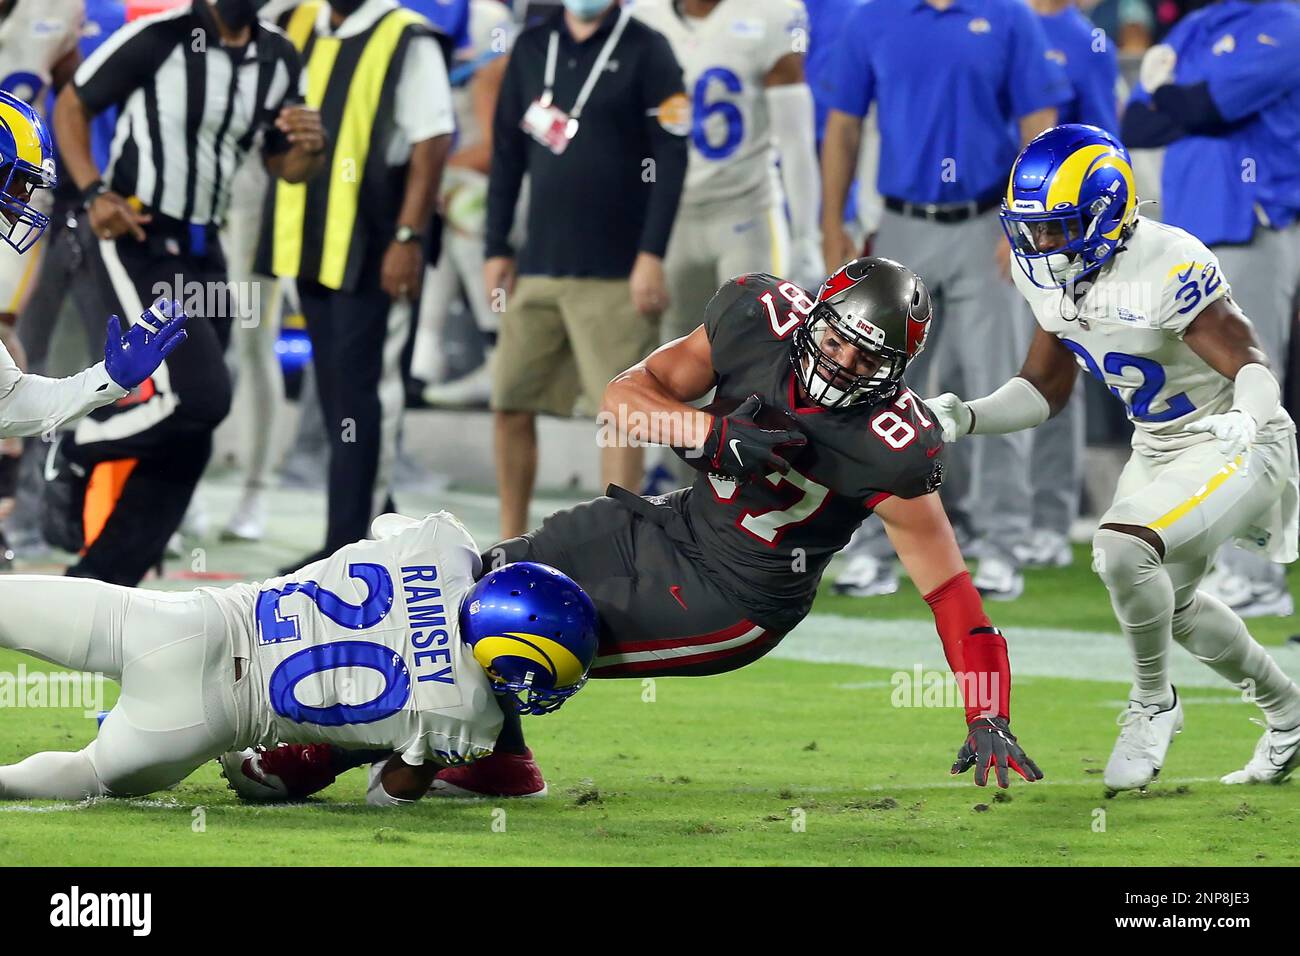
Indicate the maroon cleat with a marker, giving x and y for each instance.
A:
(496, 775)
(287, 772)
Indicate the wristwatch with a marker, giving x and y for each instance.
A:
(405, 234)
(93, 192)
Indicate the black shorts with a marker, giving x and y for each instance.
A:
(661, 615)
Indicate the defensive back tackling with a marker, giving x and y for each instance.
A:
(394, 648)
(1145, 308)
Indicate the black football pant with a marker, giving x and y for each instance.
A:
(167, 423)
(661, 612)
(356, 339)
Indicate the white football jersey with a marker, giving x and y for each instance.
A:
(33, 37)
(363, 649)
(725, 57)
(1127, 331)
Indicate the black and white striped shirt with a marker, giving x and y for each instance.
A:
(189, 107)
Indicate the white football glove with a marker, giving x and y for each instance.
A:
(1157, 67)
(951, 414)
(1234, 429)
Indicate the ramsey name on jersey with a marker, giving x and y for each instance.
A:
(363, 650)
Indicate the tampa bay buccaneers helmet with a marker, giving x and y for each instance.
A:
(882, 309)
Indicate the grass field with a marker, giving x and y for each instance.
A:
(789, 761)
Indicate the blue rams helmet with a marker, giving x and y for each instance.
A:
(1070, 204)
(534, 631)
(26, 164)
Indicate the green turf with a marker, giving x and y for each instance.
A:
(713, 771)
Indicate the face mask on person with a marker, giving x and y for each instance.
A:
(587, 9)
(236, 14)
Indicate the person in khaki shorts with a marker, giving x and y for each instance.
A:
(593, 110)
(582, 331)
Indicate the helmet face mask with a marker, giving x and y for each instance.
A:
(830, 383)
(21, 225)
(871, 317)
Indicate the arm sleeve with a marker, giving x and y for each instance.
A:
(1145, 127)
(852, 81)
(1013, 407)
(1256, 392)
(423, 103)
(794, 134)
(661, 81)
(1264, 68)
(1191, 107)
(120, 65)
(976, 651)
(31, 404)
(1032, 80)
(509, 160)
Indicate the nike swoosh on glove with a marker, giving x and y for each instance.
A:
(990, 744)
(133, 357)
(952, 414)
(740, 448)
(1234, 429)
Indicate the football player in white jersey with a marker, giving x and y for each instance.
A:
(742, 62)
(388, 646)
(31, 404)
(1144, 308)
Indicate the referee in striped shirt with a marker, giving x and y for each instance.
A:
(196, 88)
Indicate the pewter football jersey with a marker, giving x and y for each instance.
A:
(724, 58)
(363, 649)
(1127, 331)
(33, 37)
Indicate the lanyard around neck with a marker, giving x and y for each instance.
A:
(602, 58)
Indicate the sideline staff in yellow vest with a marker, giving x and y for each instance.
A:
(352, 237)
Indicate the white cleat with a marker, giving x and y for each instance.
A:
(1276, 755)
(1044, 549)
(1144, 738)
(248, 523)
(866, 576)
(243, 772)
(999, 580)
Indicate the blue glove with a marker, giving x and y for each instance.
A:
(133, 357)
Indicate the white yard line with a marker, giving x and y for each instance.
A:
(1035, 652)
